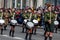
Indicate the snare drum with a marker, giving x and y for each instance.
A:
(56, 22)
(13, 22)
(2, 22)
(25, 21)
(35, 22)
(30, 25)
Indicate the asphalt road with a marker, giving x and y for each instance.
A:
(20, 36)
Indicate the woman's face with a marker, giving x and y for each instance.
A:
(39, 11)
(13, 9)
(29, 10)
(49, 8)
(1, 10)
(35, 11)
(25, 11)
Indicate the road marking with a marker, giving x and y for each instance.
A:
(18, 38)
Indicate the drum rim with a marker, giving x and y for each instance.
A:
(36, 21)
(32, 23)
(2, 21)
(56, 22)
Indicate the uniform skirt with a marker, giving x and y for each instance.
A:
(49, 27)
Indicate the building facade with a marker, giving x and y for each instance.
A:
(1, 3)
(23, 3)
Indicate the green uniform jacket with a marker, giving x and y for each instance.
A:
(0, 14)
(47, 16)
(34, 16)
(49, 27)
(25, 15)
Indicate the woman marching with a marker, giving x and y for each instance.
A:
(25, 16)
(12, 23)
(49, 23)
(28, 25)
(39, 15)
(6, 18)
(35, 21)
(1, 21)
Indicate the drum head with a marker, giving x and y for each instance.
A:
(13, 21)
(35, 21)
(30, 24)
(25, 20)
(2, 21)
(56, 22)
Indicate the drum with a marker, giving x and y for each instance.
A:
(30, 25)
(2, 22)
(56, 22)
(25, 21)
(13, 22)
(20, 20)
(35, 22)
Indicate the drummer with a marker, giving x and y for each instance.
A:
(6, 18)
(29, 31)
(34, 17)
(56, 18)
(1, 27)
(25, 17)
(49, 28)
(39, 12)
(29, 12)
(10, 14)
(12, 29)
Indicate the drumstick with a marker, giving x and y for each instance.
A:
(2, 15)
(56, 17)
(50, 15)
(13, 16)
(30, 16)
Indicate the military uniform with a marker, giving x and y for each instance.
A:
(0, 15)
(49, 27)
(12, 29)
(29, 31)
(34, 16)
(6, 18)
(25, 16)
(1, 26)
(11, 15)
(39, 19)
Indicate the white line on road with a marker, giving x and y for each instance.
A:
(18, 38)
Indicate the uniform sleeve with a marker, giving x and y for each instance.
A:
(45, 17)
(54, 15)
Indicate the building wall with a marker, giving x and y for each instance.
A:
(9, 3)
(30, 3)
(39, 3)
(1, 3)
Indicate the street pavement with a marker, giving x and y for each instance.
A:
(20, 36)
